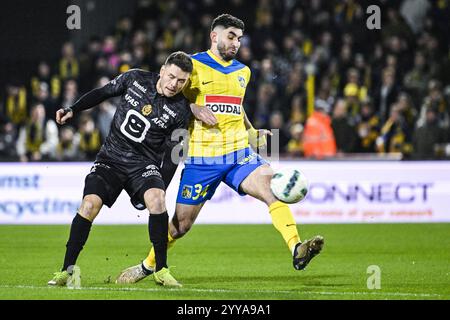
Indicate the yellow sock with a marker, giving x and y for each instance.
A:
(284, 222)
(150, 261)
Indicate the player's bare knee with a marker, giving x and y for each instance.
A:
(90, 208)
(155, 200)
(269, 198)
(266, 193)
(182, 229)
(182, 232)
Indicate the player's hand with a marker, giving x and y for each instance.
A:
(203, 114)
(258, 138)
(63, 114)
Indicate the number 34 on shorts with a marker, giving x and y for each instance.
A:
(194, 192)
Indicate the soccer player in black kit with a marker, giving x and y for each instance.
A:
(151, 109)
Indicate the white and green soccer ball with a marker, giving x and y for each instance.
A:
(289, 185)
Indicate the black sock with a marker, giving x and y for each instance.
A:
(79, 232)
(158, 227)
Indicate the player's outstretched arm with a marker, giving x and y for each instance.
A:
(89, 100)
(113, 89)
(203, 114)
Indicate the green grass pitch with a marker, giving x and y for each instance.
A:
(229, 262)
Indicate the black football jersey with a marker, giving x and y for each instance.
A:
(144, 120)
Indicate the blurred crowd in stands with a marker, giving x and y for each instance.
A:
(381, 91)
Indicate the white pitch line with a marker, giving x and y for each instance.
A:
(374, 293)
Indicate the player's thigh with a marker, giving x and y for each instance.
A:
(257, 184)
(146, 188)
(102, 187)
(155, 200)
(251, 175)
(183, 219)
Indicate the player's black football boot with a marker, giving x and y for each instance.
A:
(305, 251)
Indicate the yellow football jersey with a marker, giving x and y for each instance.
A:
(220, 87)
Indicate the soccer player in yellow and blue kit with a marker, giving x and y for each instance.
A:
(221, 152)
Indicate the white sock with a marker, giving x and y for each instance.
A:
(148, 268)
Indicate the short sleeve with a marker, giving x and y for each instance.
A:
(192, 87)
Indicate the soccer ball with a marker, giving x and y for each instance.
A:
(289, 185)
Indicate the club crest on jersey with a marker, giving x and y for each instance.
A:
(229, 105)
(187, 192)
(147, 109)
(241, 80)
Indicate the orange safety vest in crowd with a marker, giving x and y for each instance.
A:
(318, 137)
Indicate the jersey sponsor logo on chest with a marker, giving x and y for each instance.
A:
(230, 105)
(131, 100)
(170, 111)
(140, 86)
(163, 120)
(162, 123)
(135, 126)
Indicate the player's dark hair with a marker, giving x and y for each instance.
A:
(227, 20)
(182, 60)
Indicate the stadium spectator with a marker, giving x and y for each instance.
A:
(90, 139)
(429, 137)
(44, 76)
(368, 127)
(16, 104)
(343, 129)
(295, 146)
(264, 102)
(8, 134)
(297, 110)
(69, 67)
(104, 118)
(277, 122)
(318, 137)
(38, 138)
(67, 148)
(407, 110)
(43, 96)
(109, 52)
(395, 134)
(354, 92)
(416, 80)
(386, 94)
(293, 90)
(435, 99)
(70, 95)
(104, 114)
(430, 46)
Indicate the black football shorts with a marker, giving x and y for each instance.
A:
(107, 181)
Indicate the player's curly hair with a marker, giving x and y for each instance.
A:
(182, 60)
(227, 20)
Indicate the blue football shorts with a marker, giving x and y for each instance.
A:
(202, 175)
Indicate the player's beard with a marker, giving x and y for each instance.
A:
(223, 52)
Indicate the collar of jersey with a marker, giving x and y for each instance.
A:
(209, 59)
(222, 63)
